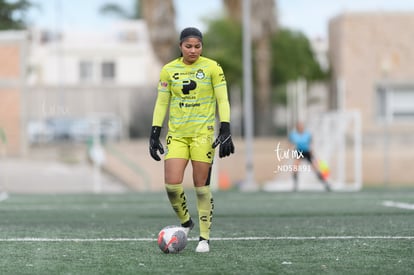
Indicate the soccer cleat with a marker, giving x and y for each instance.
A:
(327, 186)
(188, 226)
(203, 246)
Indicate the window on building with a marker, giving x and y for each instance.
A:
(108, 71)
(395, 102)
(85, 71)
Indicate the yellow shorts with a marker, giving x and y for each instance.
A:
(194, 148)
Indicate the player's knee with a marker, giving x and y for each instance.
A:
(200, 182)
(173, 179)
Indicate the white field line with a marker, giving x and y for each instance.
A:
(397, 204)
(29, 239)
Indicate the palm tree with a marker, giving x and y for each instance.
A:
(118, 11)
(160, 18)
(234, 9)
(264, 24)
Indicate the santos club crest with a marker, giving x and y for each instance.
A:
(200, 74)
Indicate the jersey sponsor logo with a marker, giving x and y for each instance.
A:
(177, 75)
(186, 105)
(200, 74)
(188, 85)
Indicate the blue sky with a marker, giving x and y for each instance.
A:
(309, 16)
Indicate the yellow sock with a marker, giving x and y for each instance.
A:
(205, 206)
(178, 201)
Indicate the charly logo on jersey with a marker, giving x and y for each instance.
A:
(200, 74)
(208, 155)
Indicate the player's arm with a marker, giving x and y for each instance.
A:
(223, 103)
(220, 91)
(160, 111)
(292, 141)
(163, 99)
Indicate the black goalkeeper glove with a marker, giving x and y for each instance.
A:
(224, 139)
(155, 144)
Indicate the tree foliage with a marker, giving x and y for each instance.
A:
(292, 55)
(114, 9)
(222, 42)
(13, 14)
(293, 58)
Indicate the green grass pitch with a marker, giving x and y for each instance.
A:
(368, 232)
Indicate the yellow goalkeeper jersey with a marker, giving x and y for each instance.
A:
(191, 92)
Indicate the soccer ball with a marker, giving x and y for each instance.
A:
(172, 239)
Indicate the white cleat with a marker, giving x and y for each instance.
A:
(203, 246)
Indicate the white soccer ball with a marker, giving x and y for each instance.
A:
(172, 239)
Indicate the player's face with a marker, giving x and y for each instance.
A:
(191, 49)
(300, 128)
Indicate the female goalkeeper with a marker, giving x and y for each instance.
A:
(190, 87)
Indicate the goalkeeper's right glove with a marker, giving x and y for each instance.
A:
(155, 144)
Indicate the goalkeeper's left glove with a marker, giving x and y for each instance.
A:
(225, 141)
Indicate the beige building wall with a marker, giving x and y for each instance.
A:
(369, 50)
(12, 68)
